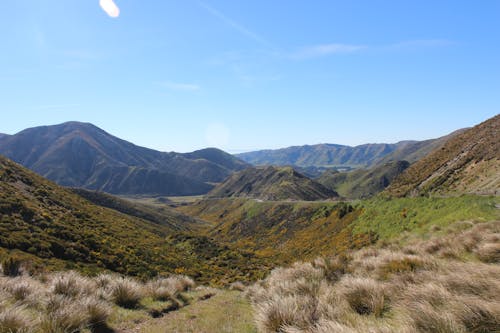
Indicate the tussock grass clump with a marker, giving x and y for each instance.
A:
(97, 310)
(21, 288)
(163, 289)
(126, 292)
(71, 284)
(63, 314)
(446, 284)
(11, 266)
(364, 296)
(15, 320)
(489, 252)
(278, 312)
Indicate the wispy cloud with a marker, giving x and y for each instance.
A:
(110, 8)
(236, 26)
(323, 50)
(178, 86)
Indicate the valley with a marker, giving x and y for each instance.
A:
(232, 239)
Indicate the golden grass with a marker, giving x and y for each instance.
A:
(418, 287)
(69, 302)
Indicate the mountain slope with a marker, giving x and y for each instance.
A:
(55, 228)
(362, 183)
(467, 163)
(332, 155)
(163, 215)
(413, 151)
(271, 183)
(82, 155)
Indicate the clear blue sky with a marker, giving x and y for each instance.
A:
(247, 74)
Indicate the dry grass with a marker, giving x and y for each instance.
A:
(444, 284)
(15, 320)
(69, 302)
(126, 292)
(239, 286)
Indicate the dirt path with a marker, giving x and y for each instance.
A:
(226, 311)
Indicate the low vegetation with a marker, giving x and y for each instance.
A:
(288, 231)
(443, 284)
(51, 228)
(70, 302)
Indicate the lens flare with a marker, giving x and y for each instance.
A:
(110, 8)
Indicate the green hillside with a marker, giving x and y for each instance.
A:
(288, 231)
(362, 183)
(53, 228)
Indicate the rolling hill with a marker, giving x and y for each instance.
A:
(50, 227)
(467, 163)
(362, 183)
(82, 155)
(340, 156)
(271, 183)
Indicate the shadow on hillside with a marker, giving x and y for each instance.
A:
(103, 328)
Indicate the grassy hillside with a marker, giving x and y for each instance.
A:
(362, 183)
(55, 229)
(287, 231)
(446, 284)
(467, 163)
(271, 183)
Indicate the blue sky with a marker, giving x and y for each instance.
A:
(242, 75)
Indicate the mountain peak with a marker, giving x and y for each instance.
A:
(79, 154)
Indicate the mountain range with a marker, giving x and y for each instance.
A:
(78, 154)
(344, 157)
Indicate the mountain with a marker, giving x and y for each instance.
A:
(339, 156)
(413, 151)
(466, 163)
(362, 183)
(271, 183)
(3, 135)
(50, 227)
(82, 155)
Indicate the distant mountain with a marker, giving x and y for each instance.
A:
(469, 162)
(413, 151)
(362, 183)
(3, 135)
(82, 155)
(339, 156)
(271, 183)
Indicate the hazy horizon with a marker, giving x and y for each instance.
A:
(248, 75)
